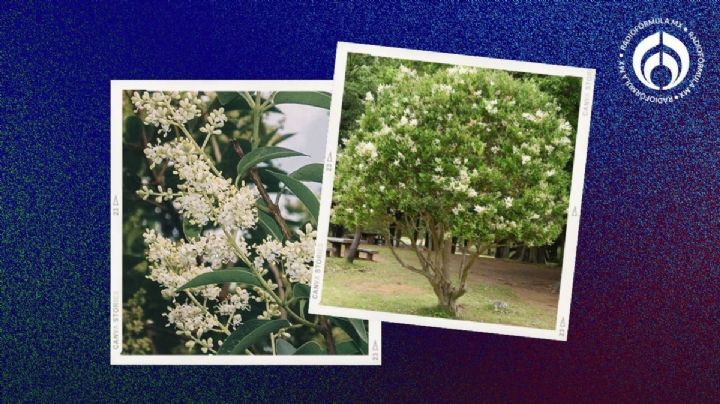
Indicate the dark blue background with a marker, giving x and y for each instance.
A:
(644, 319)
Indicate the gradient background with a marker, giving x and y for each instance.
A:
(646, 300)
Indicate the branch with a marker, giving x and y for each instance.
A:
(281, 287)
(263, 193)
(465, 270)
(423, 260)
(327, 332)
(406, 266)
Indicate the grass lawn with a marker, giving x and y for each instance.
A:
(385, 286)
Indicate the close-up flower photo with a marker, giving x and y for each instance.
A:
(219, 211)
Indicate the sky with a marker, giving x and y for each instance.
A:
(310, 125)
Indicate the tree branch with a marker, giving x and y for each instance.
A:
(275, 212)
(327, 332)
(404, 265)
(264, 194)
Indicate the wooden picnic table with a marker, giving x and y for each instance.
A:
(338, 242)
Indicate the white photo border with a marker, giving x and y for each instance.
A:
(116, 132)
(573, 219)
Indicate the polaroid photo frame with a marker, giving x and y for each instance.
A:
(116, 280)
(560, 330)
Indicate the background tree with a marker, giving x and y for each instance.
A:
(566, 91)
(456, 152)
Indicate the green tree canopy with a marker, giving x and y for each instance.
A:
(475, 154)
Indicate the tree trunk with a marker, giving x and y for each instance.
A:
(502, 252)
(447, 299)
(352, 251)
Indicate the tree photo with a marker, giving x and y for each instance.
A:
(218, 232)
(442, 168)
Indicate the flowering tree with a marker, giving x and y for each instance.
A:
(458, 152)
(236, 276)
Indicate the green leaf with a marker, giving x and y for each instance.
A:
(238, 103)
(311, 172)
(312, 98)
(306, 196)
(301, 291)
(225, 97)
(249, 333)
(310, 348)
(347, 348)
(261, 154)
(355, 329)
(191, 231)
(284, 348)
(271, 183)
(133, 129)
(359, 326)
(269, 224)
(237, 274)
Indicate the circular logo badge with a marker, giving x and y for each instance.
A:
(661, 61)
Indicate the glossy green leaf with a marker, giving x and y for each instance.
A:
(239, 275)
(310, 348)
(312, 98)
(355, 329)
(347, 348)
(268, 223)
(283, 347)
(306, 196)
(226, 96)
(249, 333)
(311, 172)
(260, 155)
(301, 291)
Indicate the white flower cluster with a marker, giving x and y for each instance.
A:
(296, 256)
(459, 70)
(538, 116)
(367, 149)
(405, 71)
(173, 264)
(203, 196)
(461, 183)
(491, 106)
(443, 88)
(166, 109)
(215, 120)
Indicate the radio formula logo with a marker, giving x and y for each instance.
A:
(661, 61)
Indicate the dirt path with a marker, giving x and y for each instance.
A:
(532, 283)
